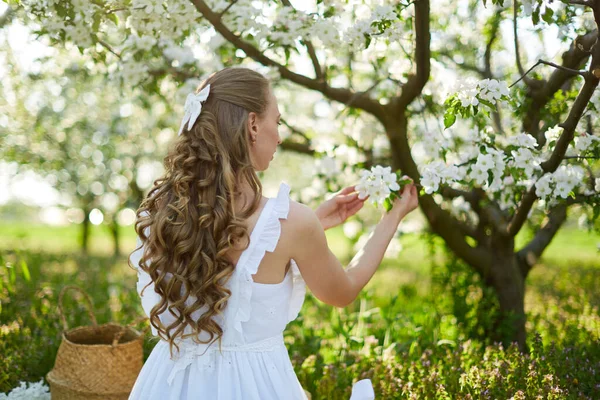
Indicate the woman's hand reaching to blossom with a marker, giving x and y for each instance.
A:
(339, 208)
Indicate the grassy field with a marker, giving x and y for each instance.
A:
(422, 318)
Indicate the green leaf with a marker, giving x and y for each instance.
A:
(548, 15)
(114, 18)
(449, 119)
(488, 103)
(329, 12)
(387, 204)
(25, 270)
(535, 16)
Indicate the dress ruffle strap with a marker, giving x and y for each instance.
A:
(264, 238)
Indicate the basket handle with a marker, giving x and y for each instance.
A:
(135, 322)
(85, 296)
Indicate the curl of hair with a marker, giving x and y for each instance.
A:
(190, 211)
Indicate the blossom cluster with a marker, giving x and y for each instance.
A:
(378, 184)
(35, 391)
(501, 167)
(559, 183)
(438, 172)
(383, 22)
(470, 92)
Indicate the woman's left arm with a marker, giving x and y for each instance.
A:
(339, 208)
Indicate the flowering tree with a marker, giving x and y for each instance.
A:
(495, 158)
(90, 143)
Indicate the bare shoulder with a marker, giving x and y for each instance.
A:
(302, 218)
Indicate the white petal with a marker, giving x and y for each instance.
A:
(394, 186)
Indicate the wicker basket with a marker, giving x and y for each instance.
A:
(97, 361)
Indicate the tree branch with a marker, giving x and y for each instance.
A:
(529, 254)
(319, 73)
(580, 157)
(543, 91)
(294, 130)
(588, 3)
(440, 220)
(302, 148)
(231, 4)
(516, 41)
(107, 47)
(416, 82)
(550, 165)
(496, 19)
(341, 95)
(567, 70)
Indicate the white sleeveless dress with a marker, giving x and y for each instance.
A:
(253, 363)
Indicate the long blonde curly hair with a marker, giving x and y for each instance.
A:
(190, 211)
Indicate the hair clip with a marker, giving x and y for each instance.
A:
(193, 106)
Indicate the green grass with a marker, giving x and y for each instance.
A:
(421, 346)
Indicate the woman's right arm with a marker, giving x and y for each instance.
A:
(320, 268)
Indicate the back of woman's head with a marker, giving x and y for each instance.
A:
(189, 211)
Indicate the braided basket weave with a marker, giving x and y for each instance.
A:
(97, 361)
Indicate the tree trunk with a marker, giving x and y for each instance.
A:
(509, 285)
(114, 231)
(85, 230)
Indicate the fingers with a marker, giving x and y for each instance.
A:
(353, 208)
(347, 190)
(348, 198)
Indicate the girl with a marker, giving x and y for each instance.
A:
(222, 269)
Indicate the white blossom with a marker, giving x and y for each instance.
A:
(478, 175)
(523, 140)
(525, 159)
(183, 55)
(377, 183)
(328, 167)
(492, 89)
(485, 162)
(584, 141)
(437, 172)
(381, 13)
(553, 134)
(327, 33)
(470, 91)
(430, 181)
(28, 391)
(542, 186)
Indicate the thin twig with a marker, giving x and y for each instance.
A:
(114, 10)
(516, 39)
(582, 2)
(357, 94)
(569, 70)
(227, 8)
(294, 130)
(107, 47)
(577, 157)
